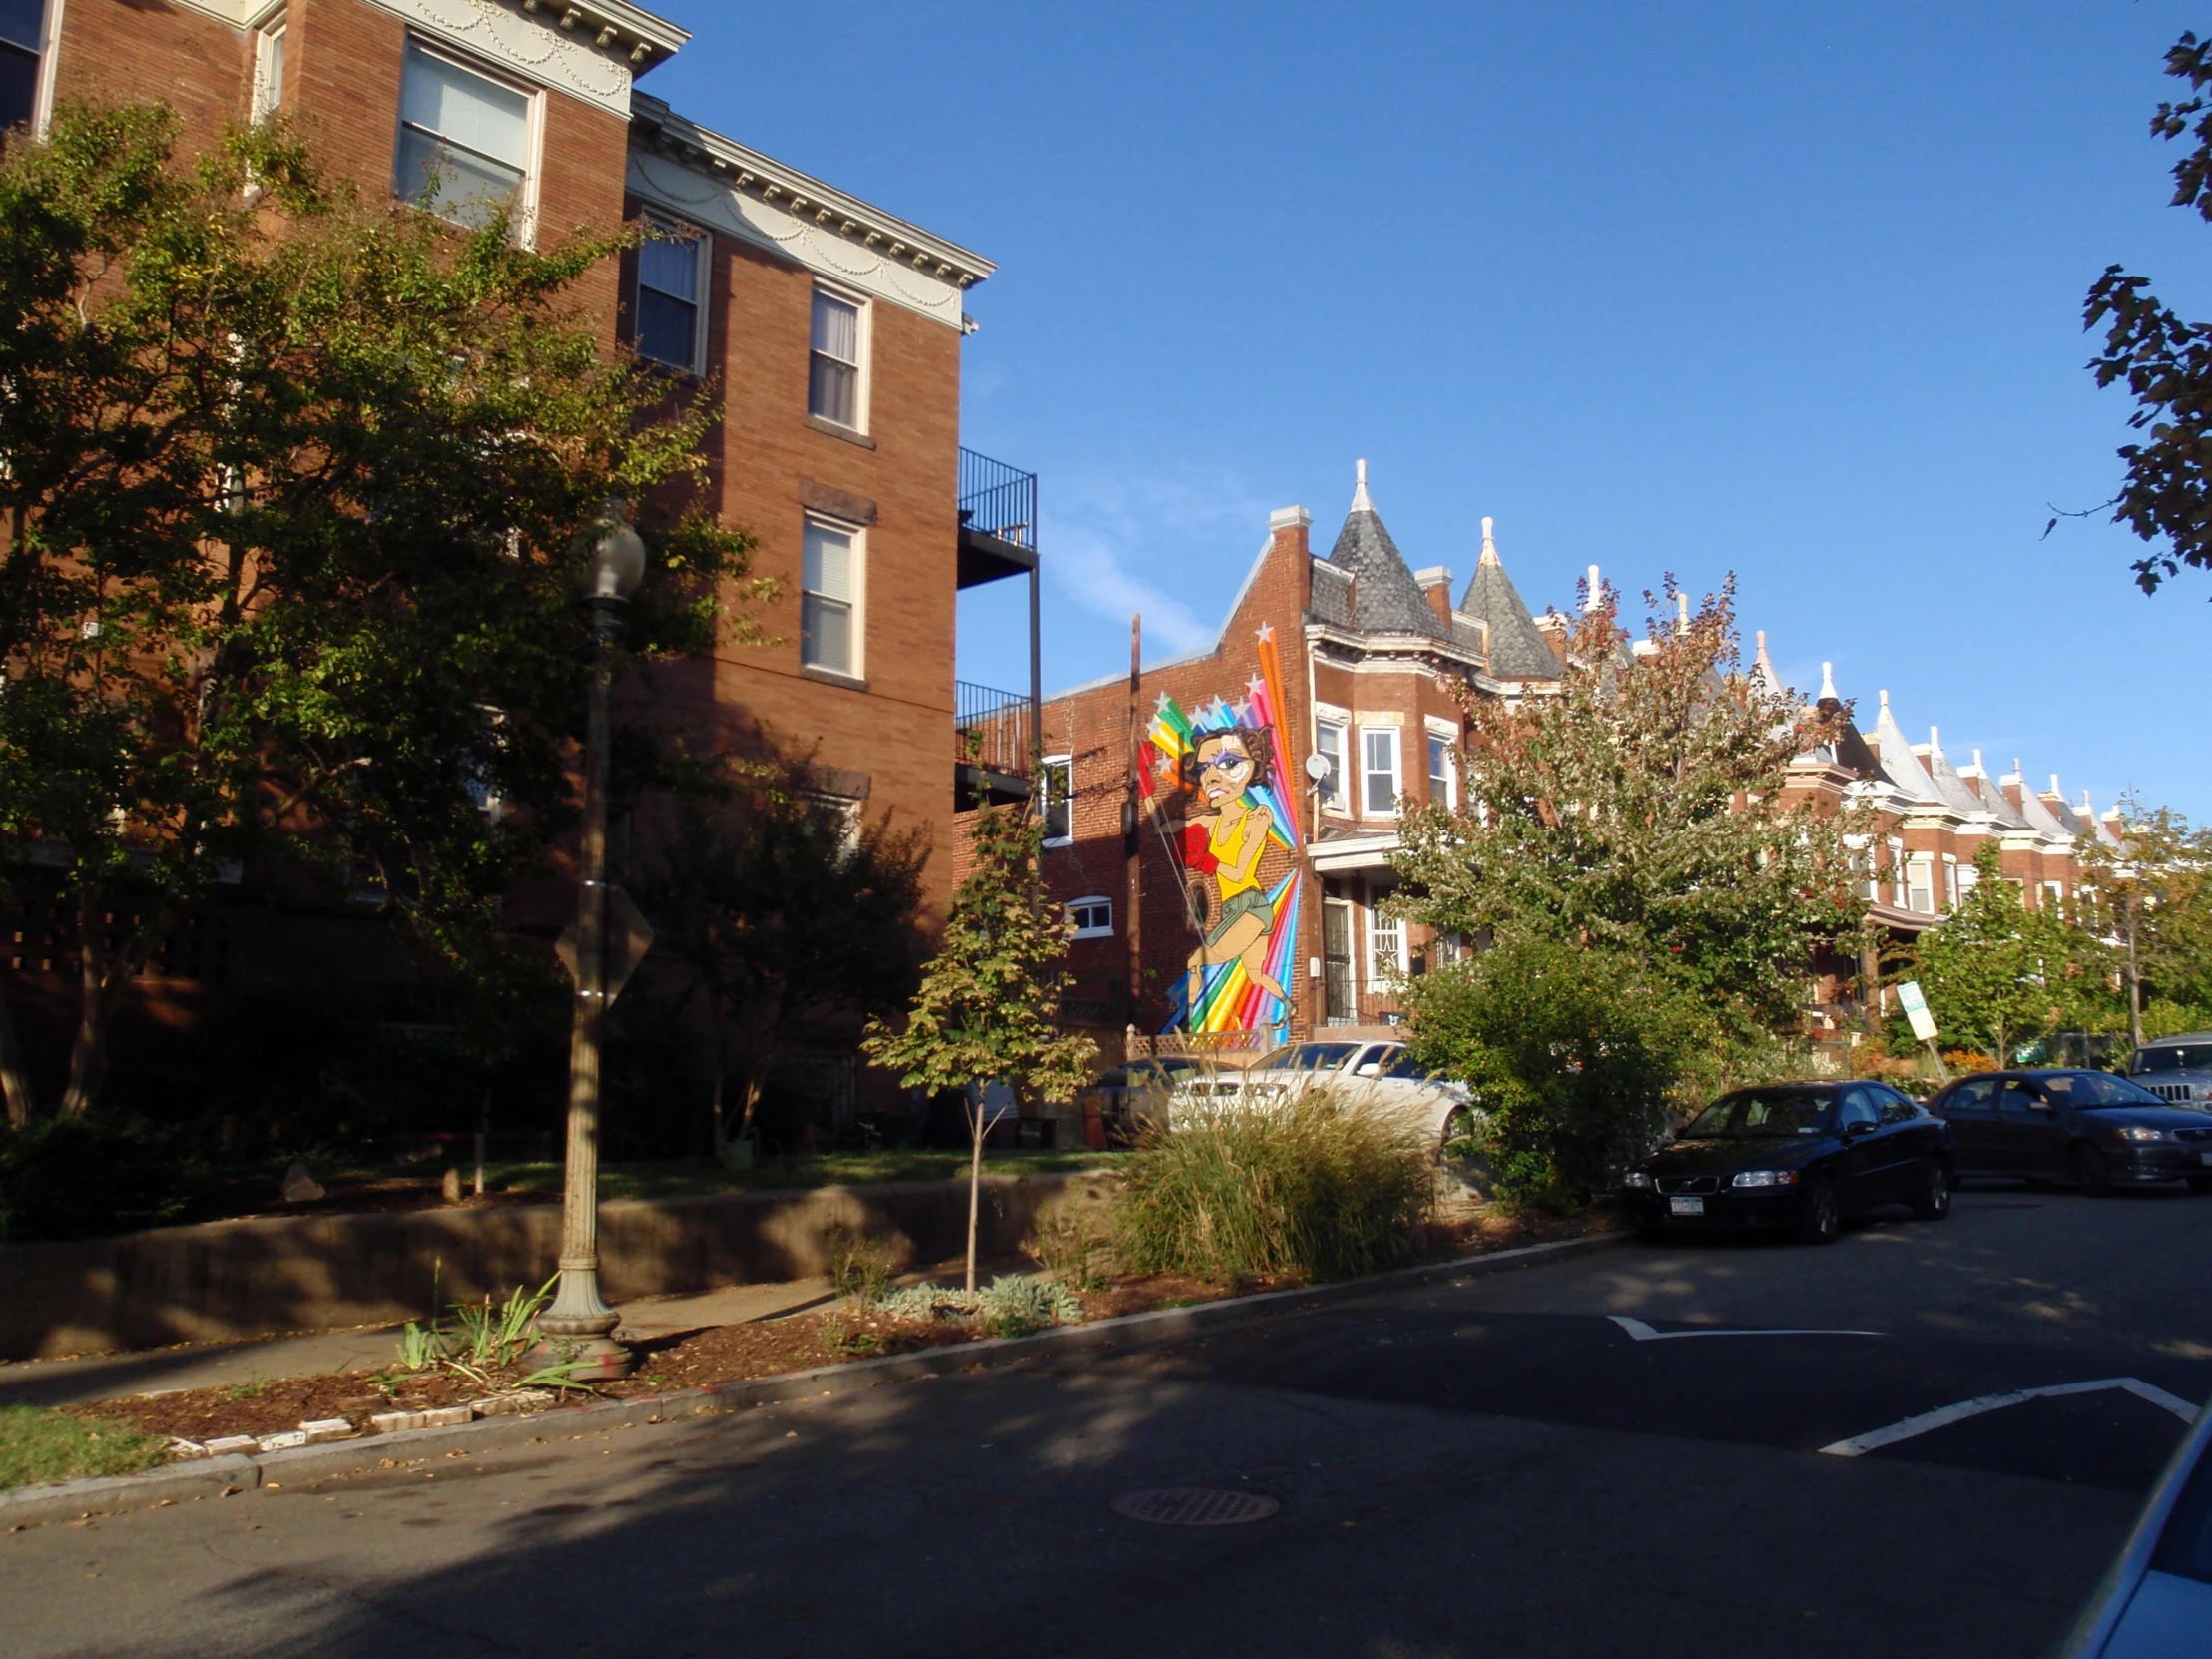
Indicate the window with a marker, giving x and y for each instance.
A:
(1896, 871)
(834, 370)
(1977, 1094)
(22, 41)
(1328, 744)
(1859, 1107)
(1894, 1107)
(1340, 1006)
(1379, 761)
(1059, 806)
(1951, 882)
(2055, 894)
(269, 70)
(670, 268)
(1442, 787)
(468, 131)
(1386, 946)
(837, 815)
(1092, 918)
(829, 636)
(1920, 880)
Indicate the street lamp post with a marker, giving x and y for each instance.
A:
(578, 1330)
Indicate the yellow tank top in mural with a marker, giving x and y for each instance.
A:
(1227, 851)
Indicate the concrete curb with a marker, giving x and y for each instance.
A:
(221, 1477)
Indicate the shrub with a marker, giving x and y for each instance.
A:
(860, 1267)
(1310, 1189)
(1074, 1247)
(1012, 1305)
(73, 1178)
(39, 1443)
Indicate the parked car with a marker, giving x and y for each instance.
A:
(2156, 1601)
(1133, 1095)
(1378, 1075)
(1800, 1156)
(2178, 1070)
(2087, 1126)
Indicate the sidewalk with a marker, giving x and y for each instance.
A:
(217, 1365)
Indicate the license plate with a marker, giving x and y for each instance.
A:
(1696, 1206)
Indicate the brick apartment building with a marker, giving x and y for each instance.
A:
(832, 329)
(1351, 660)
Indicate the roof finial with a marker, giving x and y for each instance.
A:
(1978, 766)
(2019, 773)
(1885, 698)
(1934, 741)
(2087, 811)
(1490, 546)
(1828, 684)
(1596, 596)
(2055, 788)
(1682, 610)
(1359, 502)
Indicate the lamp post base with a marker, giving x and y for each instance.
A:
(577, 1332)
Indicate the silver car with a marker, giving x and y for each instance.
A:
(2176, 1069)
(1380, 1075)
(2156, 1599)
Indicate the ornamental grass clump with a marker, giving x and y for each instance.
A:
(1309, 1189)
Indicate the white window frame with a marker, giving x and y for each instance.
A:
(667, 219)
(268, 67)
(1091, 929)
(1900, 892)
(2055, 894)
(1397, 771)
(1438, 732)
(864, 345)
(533, 139)
(1044, 781)
(1335, 800)
(858, 535)
(847, 810)
(1920, 878)
(1383, 930)
(47, 49)
(1950, 881)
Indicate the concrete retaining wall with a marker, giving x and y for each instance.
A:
(234, 1279)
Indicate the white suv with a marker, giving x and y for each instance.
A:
(1381, 1075)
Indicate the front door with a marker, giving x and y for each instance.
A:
(1858, 1175)
(1972, 1111)
(2031, 1140)
(1335, 951)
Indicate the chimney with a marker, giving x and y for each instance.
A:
(1596, 595)
(2013, 783)
(1682, 612)
(1435, 582)
(1288, 540)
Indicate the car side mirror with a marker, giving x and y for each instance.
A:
(1856, 1128)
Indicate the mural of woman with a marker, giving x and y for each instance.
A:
(1224, 834)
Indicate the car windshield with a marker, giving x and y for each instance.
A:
(2097, 1088)
(2180, 1057)
(1761, 1112)
(1308, 1057)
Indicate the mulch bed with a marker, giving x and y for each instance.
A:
(736, 1352)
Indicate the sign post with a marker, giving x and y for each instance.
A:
(1922, 1022)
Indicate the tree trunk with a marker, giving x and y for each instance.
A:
(976, 1176)
(2134, 982)
(15, 1082)
(718, 1049)
(103, 980)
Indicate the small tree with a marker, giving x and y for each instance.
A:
(2151, 900)
(1999, 972)
(777, 911)
(986, 1011)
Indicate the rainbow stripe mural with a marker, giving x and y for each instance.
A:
(1223, 987)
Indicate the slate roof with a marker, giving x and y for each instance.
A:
(1954, 789)
(2033, 809)
(1899, 765)
(2001, 808)
(1519, 649)
(1385, 597)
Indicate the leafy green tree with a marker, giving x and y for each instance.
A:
(2152, 899)
(777, 913)
(989, 1000)
(292, 484)
(1634, 822)
(1997, 973)
(2166, 494)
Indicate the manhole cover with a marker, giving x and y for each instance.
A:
(1194, 1506)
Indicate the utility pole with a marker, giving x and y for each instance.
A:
(1132, 841)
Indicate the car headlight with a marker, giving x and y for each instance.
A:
(2143, 1135)
(1765, 1178)
(1637, 1178)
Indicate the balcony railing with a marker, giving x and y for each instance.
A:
(996, 725)
(998, 500)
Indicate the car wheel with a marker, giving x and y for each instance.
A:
(2090, 1169)
(1823, 1213)
(1458, 1131)
(1933, 1201)
(2201, 1183)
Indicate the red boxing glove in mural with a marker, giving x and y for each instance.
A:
(1196, 855)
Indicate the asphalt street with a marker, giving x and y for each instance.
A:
(1660, 1450)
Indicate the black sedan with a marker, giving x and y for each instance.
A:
(2088, 1127)
(1796, 1155)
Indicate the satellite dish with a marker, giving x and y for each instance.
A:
(1317, 767)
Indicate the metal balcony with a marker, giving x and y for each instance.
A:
(996, 731)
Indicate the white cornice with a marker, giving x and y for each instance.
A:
(731, 186)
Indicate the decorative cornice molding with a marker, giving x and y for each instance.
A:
(730, 187)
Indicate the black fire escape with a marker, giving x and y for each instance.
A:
(997, 732)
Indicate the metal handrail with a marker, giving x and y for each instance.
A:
(998, 500)
(997, 722)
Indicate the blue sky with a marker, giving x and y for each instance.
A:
(1789, 292)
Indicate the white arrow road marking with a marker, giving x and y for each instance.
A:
(1858, 1446)
(1645, 1334)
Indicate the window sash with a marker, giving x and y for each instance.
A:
(1059, 810)
(837, 330)
(834, 361)
(826, 601)
(1441, 789)
(826, 633)
(469, 129)
(1328, 744)
(828, 562)
(668, 301)
(23, 24)
(1919, 879)
(1379, 755)
(1091, 919)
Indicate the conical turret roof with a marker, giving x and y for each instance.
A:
(1385, 597)
(1899, 765)
(1519, 649)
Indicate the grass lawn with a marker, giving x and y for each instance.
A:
(38, 1444)
(676, 1178)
